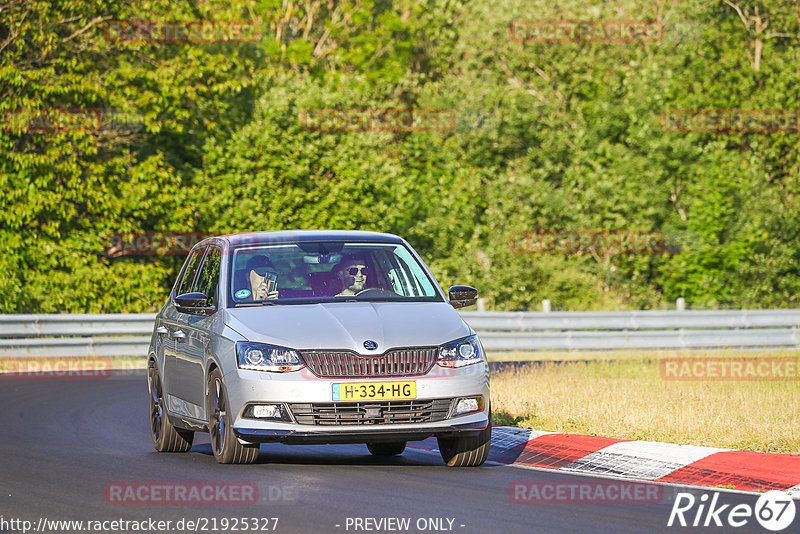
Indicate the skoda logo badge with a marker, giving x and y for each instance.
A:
(370, 345)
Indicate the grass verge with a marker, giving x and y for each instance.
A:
(627, 398)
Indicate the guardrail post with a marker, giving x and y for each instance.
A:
(680, 304)
(481, 304)
(546, 306)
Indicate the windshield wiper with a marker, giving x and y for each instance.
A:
(260, 303)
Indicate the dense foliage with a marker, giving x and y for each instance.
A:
(547, 136)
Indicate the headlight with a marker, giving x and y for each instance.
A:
(461, 352)
(262, 357)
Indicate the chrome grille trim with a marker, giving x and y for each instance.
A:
(412, 361)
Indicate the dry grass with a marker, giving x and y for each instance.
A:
(628, 399)
(563, 355)
(616, 355)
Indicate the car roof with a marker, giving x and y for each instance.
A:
(283, 236)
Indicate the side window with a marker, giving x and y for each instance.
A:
(192, 264)
(408, 277)
(209, 276)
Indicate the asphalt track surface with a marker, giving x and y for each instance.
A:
(64, 441)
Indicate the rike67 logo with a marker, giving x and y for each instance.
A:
(774, 510)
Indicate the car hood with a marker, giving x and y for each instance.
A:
(346, 325)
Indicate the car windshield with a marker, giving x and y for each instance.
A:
(329, 271)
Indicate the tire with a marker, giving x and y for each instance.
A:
(469, 451)
(387, 449)
(166, 437)
(224, 443)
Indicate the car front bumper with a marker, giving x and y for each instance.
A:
(244, 387)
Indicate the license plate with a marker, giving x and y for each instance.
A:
(374, 391)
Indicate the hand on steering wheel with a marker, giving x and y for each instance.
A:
(377, 291)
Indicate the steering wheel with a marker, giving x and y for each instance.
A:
(376, 292)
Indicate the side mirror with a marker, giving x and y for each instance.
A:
(461, 296)
(194, 303)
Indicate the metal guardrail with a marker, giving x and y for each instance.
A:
(631, 320)
(129, 334)
(95, 324)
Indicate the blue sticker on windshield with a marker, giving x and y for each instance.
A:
(242, 294)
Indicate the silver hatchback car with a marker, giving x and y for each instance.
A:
(316, 337)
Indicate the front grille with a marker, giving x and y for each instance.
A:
(346, 364)
(371, 412)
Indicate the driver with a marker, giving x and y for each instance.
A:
(260, 272)
(352, 273)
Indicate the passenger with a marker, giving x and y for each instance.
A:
(352, 273)
(262, 276)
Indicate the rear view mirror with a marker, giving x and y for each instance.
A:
(462, 296)
(194, 303)
(323, 258)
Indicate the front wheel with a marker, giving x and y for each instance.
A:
(166, 437)
(226, 446)
(469, 451)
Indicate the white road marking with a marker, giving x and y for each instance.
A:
(643, 460)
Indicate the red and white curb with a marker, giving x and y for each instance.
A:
(644, 460)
